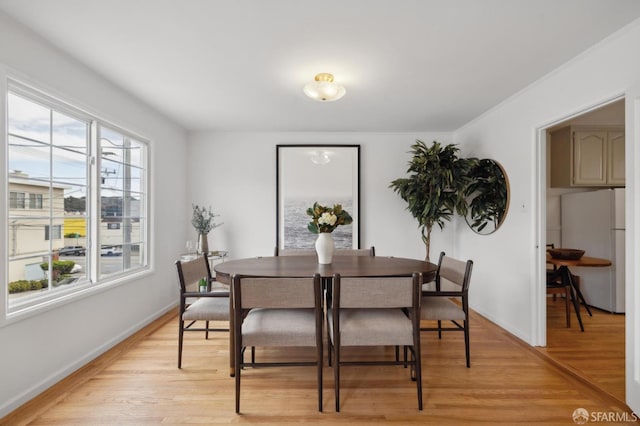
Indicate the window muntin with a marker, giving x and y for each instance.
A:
(51, 181)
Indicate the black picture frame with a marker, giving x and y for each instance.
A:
(328, 174)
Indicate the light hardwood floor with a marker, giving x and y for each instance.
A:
(138, 382)
(597, 354)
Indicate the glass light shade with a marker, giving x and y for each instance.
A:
(324, 89)
(320, 157)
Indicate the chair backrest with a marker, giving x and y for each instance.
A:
(453, 274)
(294, 252)
(338, 252)
(371, 251)
(190, 272)
(377, 292)
(269, 292)
(549, 266)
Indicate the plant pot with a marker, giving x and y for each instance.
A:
(324, 248)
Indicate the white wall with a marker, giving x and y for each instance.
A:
(235, 173)
(41, 349)
(504, 286)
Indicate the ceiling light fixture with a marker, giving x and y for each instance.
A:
(324, 89)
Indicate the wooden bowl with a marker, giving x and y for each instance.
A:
(565, 253)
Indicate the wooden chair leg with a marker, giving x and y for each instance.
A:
(466, 342)
(180, 338)
(319, 354)
(567, 302)
(206, 333)
(336, 376)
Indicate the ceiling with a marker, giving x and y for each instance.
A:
(408, 65)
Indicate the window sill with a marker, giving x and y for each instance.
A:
(56, 302)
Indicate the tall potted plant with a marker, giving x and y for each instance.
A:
(435, 187)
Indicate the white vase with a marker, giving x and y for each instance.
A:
(325, 247)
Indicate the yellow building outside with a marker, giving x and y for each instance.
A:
(75, 225)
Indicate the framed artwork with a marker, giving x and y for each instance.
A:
(328, 174)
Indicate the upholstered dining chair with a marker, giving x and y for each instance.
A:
(198, 306)
(452, 281)
(380, 311)
(277, 312)
(371, 251)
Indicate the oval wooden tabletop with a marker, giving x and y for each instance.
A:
(583, 261)
(306, 266)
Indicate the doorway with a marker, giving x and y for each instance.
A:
(598, 353)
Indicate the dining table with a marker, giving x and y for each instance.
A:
(563, 270)
(307, 266)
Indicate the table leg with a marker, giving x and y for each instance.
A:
(580, 296)
(566, 279)
(232, 345)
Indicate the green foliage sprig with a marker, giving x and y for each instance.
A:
(203, 219)
(326, 219)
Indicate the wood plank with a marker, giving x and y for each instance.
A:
(138, 382)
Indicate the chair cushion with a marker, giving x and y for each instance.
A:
(440, 308)
(430, 286)
(208, 309)
(373, 327)
(279, 327)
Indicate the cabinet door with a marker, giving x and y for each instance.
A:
(589, 151)
(615, 158)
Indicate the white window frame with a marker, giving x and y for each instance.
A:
(94, 283)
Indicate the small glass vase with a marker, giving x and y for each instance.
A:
(324, 248)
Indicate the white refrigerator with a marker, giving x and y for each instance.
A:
(594, 221)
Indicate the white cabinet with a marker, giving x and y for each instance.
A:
(615, 158)
(587, 156)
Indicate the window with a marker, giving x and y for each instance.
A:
(55, 235)
(16, 200)
(35, 201)
(122, 196)
(69, 170)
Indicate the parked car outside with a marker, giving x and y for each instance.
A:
(72, 251)
(111, 251)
